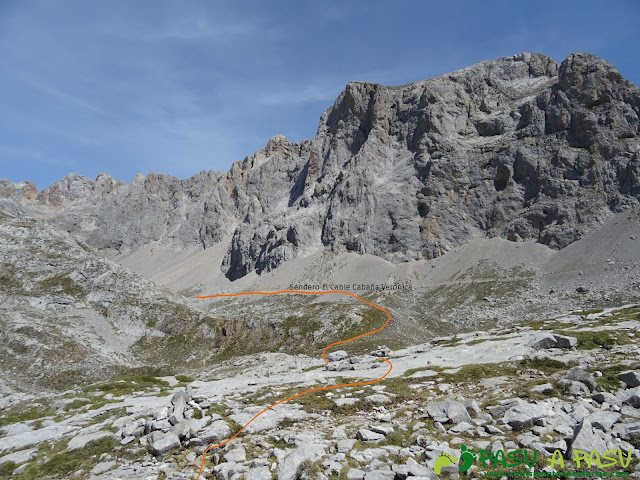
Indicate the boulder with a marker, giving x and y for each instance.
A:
(603, 419)
(630, 379)
(564, 341)
(523, 416)
(345, 445)
(378, 399)
(542, 389)
(288, 467)
(473, 409)
(368, 436)
(585, 439)
(217, 431)
(355, 474)
(237, 454)
(578, 374)
(164, 443)
(380, 475)
(382, 429)
(543, 342)
(448, 411)
(337, 356)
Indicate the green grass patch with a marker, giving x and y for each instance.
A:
(411, 371)
(609, 379)
(544, 364)
(473, 373)
(62, 464)
(19, 414)
(7, 468)
(601, 339)
(61, 284)
(587, 312)
(315, 367)
(396, 438)
(184, 378)
(128, 384)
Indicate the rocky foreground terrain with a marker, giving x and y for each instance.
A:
(568, 384)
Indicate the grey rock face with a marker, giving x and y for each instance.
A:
(519, 147)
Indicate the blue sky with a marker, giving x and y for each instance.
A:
(183, 86)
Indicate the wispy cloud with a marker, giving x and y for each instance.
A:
(297, 95)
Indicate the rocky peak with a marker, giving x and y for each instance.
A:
(519, 147)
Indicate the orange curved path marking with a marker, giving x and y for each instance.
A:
(323, 357)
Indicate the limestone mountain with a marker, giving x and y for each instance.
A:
(521, 148)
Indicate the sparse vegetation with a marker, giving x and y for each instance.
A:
(587, 312)
(61, 284)
(588, 340)
(308, 470)
(60, 462)
(20, 414)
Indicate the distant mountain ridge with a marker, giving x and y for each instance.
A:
(520, 147)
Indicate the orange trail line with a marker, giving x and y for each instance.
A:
(323, 357)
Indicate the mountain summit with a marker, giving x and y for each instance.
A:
(520, 148)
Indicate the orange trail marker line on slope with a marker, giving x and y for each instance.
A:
(323, 357)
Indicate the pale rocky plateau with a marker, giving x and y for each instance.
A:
(493, 212)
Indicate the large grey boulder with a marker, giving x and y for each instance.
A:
(520, 417)
(217, 431)
(337, 356)
(368, 436)
(630, 379)
(603, 419)
(448, 411)
(564, 341)
(164, 443)
(543, 342)
(627, 431)
(585, 439)
(380, 475)
(578, 374)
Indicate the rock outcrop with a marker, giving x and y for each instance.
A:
(519, 147)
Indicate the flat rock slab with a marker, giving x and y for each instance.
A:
(102, 467)
(368, 436)
(288, 467)
(269, 419)
(35, 437)
(520, 417)
(20, 456)
(217, 431)
(378, 399)
(341, 402)
(80, 441)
